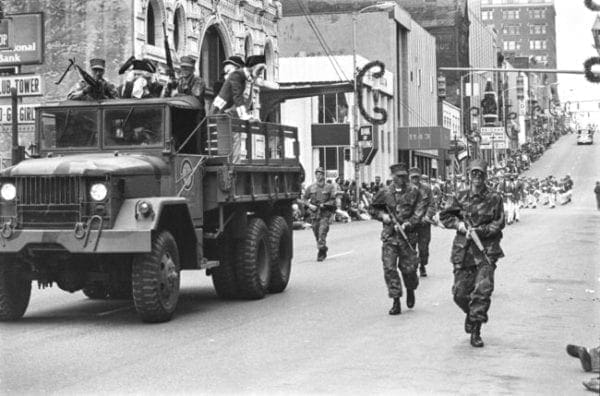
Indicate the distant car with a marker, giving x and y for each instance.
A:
(585, 137)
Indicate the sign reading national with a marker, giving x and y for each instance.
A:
(28, 42)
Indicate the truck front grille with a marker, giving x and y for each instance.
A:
(49, 201)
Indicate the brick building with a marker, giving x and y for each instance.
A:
(209, 30)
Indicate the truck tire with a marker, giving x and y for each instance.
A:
(95, 291)
(281, 256)
(253, 270)
(15, 291)
(155, 280)
(223, 276)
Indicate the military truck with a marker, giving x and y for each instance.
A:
(122, 195)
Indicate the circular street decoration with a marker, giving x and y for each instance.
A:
(591, 4)
(186, 174)
(589, 74)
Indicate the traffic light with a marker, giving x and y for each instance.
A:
(520, 88)
(441, 81)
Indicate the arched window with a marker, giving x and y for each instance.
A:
(150, 31)
(179, 29)
(248, 46)
(212, 56)
(270, 61)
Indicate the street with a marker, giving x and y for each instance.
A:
(330, 332)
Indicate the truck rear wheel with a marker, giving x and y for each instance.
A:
(15, 290)
(253, 270)
(281, 256)
(155, 280)
(223, 276)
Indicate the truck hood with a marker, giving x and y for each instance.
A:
(90, 165)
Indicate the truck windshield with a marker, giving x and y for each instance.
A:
(133, 126)
(66, 128)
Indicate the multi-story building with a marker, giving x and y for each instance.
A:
(210, 31)
(388, 35)
(526, 28)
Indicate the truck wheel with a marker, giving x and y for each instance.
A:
(223, 276)
(253, 261)
(155, 280)
(281, 256)
(15, 291)
(95, 291)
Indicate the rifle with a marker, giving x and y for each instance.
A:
(398, 226)
(71, 63)
(169, 59)
(472, 234)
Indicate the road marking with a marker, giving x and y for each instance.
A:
(341, 254)
(115, 310)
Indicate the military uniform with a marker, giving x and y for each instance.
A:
(322, 195)
(483, 212)
(405, 204)
(423, 229)
(82, 91)
(190, 85)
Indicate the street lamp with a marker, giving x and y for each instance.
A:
(383, 6)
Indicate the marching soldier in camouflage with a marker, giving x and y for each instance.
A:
(400, 208)
(477, 215)
(320, 198)
(423, 229)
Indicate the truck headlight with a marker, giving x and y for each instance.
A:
(98, 191)
(8, 192)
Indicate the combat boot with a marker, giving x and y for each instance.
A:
(396, 310)
(476, 340)
(410, 298)
(321, 255)
(422, 271)
(468, 325)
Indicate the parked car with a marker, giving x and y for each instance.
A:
(585, 137)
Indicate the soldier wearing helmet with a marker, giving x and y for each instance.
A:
(477, 215)
(320, 198)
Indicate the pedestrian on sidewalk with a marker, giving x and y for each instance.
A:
(400, 208)
(477, 215)
(597, 192)
(320, 198)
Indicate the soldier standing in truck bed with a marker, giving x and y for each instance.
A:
(83, 91)
(187, 83)
(320, 198)
(400, 208)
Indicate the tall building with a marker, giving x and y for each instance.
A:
(526, 28)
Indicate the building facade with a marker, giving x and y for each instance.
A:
(326, 121)
(391, 36)
(208, 30)
(526, 28)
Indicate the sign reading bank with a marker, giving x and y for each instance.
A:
(27, 41)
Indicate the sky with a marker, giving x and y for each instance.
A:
(574, 46)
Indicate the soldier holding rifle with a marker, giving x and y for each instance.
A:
(401, 208)
(320, 198)
(93, 87)
(477, 215)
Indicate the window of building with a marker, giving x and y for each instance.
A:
(487, 15)
(179, 30)
(510, 14)
(511, 30)
(150, 31)
(333, 109)
(537, 29)
(537, 14)
(511, 45)
(212, 56)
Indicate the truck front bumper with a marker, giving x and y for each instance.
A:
(106, 241)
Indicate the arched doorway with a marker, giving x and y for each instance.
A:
(212, 55)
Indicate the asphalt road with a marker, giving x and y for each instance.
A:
(329, 332)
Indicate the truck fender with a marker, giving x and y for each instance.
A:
(162, 213)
